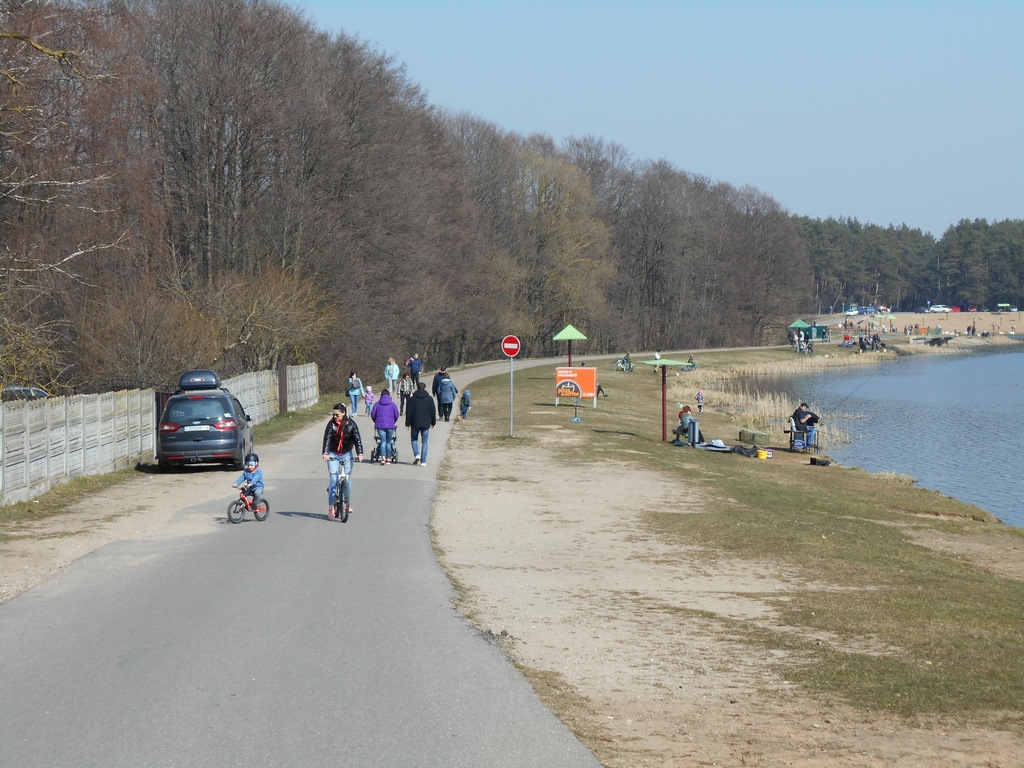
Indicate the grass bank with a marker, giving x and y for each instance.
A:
(882, 620)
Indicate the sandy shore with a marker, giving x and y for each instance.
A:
(956, 322)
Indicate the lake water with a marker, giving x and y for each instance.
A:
(955, 422)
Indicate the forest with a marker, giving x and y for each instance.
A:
(192, 184)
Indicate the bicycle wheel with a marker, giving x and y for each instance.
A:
(236, 511)
(339, 502)
(262, 510)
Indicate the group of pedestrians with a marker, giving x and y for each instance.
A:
(342, 443)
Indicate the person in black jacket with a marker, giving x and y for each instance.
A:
(420, 416)
(806, 420)
(341, 441)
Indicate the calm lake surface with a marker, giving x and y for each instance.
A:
(955, 422)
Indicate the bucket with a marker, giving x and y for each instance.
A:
(762, 453)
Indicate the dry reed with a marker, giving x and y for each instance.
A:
(732, 390)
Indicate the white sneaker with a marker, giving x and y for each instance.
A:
(423, 463)
(416, 459)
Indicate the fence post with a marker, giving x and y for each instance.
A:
(282, 387)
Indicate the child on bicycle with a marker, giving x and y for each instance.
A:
(251, 480)
(341, 440)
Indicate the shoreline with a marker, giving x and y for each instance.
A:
(997, 325)
(903, 346)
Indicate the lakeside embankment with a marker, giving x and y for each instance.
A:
(679, 607)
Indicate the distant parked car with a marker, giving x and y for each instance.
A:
(20, 392)
(203, 423)
(938, 308)
(852, 311)
(954, 308)
(865, 310)
(972, 309)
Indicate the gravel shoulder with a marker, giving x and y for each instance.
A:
(626, 637)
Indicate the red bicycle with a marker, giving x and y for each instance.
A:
(243, 504)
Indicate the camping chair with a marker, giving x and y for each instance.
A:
(798, 438)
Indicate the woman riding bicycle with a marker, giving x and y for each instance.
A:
(341, 441)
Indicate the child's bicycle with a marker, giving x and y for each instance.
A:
(340, 507)
(243, 504)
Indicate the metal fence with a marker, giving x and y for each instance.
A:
(47, 442)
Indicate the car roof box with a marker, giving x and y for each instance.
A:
(198, 379)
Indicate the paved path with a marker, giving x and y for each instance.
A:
(295, 642)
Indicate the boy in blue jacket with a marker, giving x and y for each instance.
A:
(251, 478)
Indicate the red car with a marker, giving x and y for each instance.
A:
(954, 309)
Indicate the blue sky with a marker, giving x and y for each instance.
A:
(889, 112)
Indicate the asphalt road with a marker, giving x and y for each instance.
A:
(295, 642)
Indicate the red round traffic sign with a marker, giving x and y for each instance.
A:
(510, 346)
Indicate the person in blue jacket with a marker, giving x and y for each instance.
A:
(446, 394)
(251, 478)
(415, 366)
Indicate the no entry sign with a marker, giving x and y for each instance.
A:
(510, 346)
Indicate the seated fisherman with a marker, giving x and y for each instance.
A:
(689, 427)
(805, 420)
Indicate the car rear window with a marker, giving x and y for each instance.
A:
(209, 409)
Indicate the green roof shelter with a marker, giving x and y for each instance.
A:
(811, 331)
(569, 334)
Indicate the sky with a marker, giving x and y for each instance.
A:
(888, 112)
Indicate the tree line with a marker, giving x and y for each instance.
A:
(974, 263)
(193, 184)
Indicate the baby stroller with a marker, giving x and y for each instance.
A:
(375, 456)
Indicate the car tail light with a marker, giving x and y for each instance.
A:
(226, 425)
(168, 427)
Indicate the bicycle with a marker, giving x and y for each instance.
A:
(624, 364)
(341, 509)
(243, 504)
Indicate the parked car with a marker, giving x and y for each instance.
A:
(20, 392)
(852, 311)
(954, 308)
(203, 423)
(938, 308)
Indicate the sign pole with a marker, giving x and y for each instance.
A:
(510, 346)
(511, 393)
